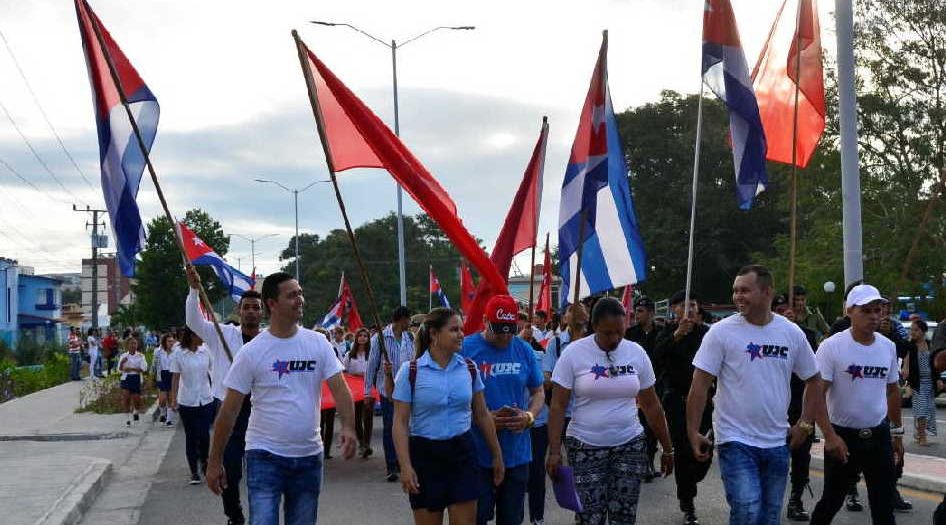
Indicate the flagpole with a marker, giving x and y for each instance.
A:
(430, 296)
(793, 193)
(330, 163)
(696, 175)
(581, 248)
(202, 294)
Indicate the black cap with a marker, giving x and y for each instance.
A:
(799, 290)
(680, 296)
(644, 302)
(779, 300)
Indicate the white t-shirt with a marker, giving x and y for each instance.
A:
(132, 361)
(753, 366)
(195, 368)
(93, 344)
(356, 365)
(859, 375)
(605, 392)
(285, 378)
(163, 359)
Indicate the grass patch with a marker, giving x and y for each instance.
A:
(19, 381)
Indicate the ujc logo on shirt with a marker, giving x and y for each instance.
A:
(866, 372)
(766, 351)
(612, 371)
(500, 369)
(286, 367)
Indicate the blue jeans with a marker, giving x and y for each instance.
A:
(507, 501)
(269, 478)
(387, 439)
(75, 365)
(754, 479)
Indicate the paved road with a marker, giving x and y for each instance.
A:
(938, 446)
(355, 493)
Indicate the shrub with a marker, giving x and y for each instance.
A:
(104, 396)
(24, 380)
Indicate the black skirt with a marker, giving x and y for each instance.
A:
(447, 471)
(132, 383)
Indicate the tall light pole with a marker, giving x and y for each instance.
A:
(253, 240)
(394, 46)
(295, 194)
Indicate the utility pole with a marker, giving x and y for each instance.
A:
(97, 242)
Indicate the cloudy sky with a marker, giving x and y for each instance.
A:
(234, 107)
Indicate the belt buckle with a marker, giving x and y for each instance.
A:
(865, 433)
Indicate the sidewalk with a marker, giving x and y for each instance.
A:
(54, 462)
(921, 472)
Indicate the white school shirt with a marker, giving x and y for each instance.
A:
(605, 392)
(859, 375)
(356, 365)
(205, 329)
(194, 384)
(753, 366)
(134, 361)
(284, 376)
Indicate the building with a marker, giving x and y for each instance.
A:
(519, 286)
(114, 289)
(30, 306)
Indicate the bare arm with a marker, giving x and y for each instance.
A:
(833, 444)
(560, 398)
(223, 427)
(402, 417)
(484, 421)
(346, 409)
(654, 412)
(175, 386)
(893, 414)
(696, 404)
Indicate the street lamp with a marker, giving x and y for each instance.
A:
(295, 193)
(828, 288)
(393, 46)
(253, 240)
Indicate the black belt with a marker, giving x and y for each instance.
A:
(863, 433)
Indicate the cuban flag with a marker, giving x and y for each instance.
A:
(726, 73)
(437, 290)
(344, 306)
(119, 152)
(201, 254)
(596, 183)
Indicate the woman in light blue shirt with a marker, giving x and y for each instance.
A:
(437, 396)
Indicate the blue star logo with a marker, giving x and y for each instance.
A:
(856, 371)
(281, 368)
(754, 351)
(599, 371)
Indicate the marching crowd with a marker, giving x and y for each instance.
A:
(473, 425)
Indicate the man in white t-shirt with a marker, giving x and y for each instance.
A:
(752, 356)
(283, 369)
(860, 371)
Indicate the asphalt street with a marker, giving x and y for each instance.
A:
(355, 492)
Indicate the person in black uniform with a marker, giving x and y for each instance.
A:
(644, 333)
(675, 346)
(801, 456)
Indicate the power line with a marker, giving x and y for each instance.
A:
(28, 182)
(39, 106)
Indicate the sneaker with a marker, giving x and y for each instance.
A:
(128, 423)
(162, 419)
(195, 479)
(136, 419)
(169, 423)
(391, 477)
(368, 452)
(538, 522)
(852, 503)
(795, 510)
(900, 504)
(689, 513)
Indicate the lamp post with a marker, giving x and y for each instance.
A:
(394, 46)
(253, 240)
(829, 288)
(295, 194)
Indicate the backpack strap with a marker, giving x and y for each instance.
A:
(471, 366)
(412, 377)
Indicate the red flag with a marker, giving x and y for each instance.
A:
(355, 137)
(791, 49)
(519, 230)
(467, 287)
(627, 299)
(545, 291)
(350, 306)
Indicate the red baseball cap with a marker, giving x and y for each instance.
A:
(502, 312)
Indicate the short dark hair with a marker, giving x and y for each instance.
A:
(542, 313)
(187, 337)
(680, 296)
(799, 290)
(271, 285)
(401, 312)
(922, 324)
(251, 294)
(763, 277)
(523, 316)
(606, 307)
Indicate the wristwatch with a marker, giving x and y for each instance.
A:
(806, 426)
(531, 419)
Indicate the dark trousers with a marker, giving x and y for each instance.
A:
(874, 457)
(540, 444)
(233, 464)
(649, 437)
(801, 461)
(75, 365)
(506, 501)
(197, 421)
(364, 423)
(687, 471)
(327, 426)
(387, 418)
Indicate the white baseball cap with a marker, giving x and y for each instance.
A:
(863, 294)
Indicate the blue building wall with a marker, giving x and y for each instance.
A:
(40, 308)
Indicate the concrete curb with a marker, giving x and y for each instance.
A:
(79, 496)
(913, 481)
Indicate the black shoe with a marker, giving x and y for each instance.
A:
(795, 510)
(852, 503)
(391, 477)
(900, 504)
(162, 419)
(689, 512)
(195, 479)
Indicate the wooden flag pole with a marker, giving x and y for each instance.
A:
(154, 178)
(696, 175)
(430, 296)
(581, 247)
(535, 239)
(330, 162)
(793, 193)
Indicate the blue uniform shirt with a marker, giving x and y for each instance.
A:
(543, 418)
(507, 374)
(441, 403)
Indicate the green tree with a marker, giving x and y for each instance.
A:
(324, 258)
(161, 288)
